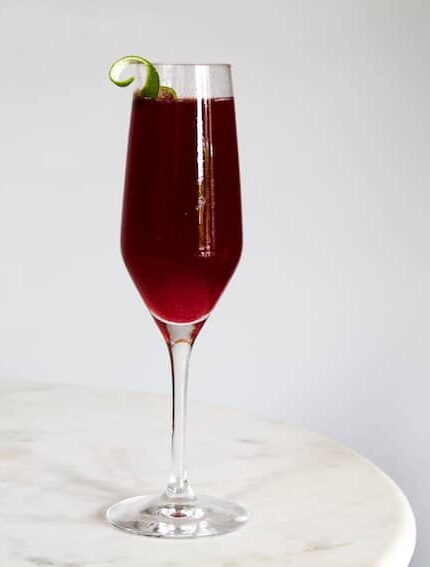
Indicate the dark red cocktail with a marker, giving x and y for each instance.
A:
(181, 227)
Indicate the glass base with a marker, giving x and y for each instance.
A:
(168, 517)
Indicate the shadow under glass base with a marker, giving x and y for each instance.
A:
(166, 517)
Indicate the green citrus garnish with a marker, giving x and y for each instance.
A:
(151, 87)
(166, 93)
(152, 81)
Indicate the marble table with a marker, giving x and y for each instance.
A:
(67, 453)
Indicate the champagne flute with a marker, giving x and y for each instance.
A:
(181, 241)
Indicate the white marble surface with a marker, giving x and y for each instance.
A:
(67, 453)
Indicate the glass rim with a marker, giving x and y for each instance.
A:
(166, 64)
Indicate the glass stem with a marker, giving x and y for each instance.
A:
(179, 345)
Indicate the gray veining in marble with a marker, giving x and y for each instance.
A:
(67, 453)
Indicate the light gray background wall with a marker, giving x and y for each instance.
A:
(326, 322)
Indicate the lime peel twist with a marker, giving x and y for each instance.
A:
(151, 87)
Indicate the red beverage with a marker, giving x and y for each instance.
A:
(181, 233)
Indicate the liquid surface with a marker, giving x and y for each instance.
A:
(181, 229)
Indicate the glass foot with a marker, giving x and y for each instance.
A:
(165, 516)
